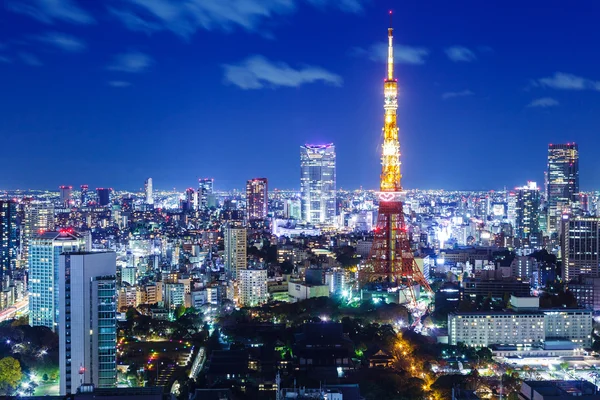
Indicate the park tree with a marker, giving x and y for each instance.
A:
(10, 373)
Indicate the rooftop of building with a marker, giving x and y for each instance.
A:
(560, 389)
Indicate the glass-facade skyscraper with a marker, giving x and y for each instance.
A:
(317, 183)
(44, 255)
(256, 198)
(527, 210)
(205, 189)
(8, 238)
(87, 320)
(563, 181)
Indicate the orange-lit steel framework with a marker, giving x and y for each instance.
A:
(391, 259)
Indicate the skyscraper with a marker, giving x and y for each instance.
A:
(8, 238)
(256, 198)
(580, 245)
(527, 209)
(148, 191)
(317, 183)
(103, 196)
(205, 189)
(235, 250)
(37, 218)
(65, 195)
(44, 258)
(85, 195)
(87, 320)
(563, 181)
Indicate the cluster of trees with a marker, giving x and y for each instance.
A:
(188, 325)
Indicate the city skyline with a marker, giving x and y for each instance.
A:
(452, 116)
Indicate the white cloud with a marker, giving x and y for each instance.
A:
(257, 72)
(119, 84)
(460, 54)
(134, 22)
(64, 42)
(131, 62)
(48, 11)
(564, 81)
(402, 54)
(185, 17)
(30, 59)
(451, 95)
(351, 6)
(543, 102)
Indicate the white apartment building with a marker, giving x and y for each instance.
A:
(235, 250)
(253, 287)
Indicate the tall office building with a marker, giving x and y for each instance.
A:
(85, 195)
(563, 181)
(191, 200)
(65, 195)
(44, 258)
(205, 189)
(317, 183)
(8, 238)
(37, 218)
(103, 196)
(148, 191)
(87, 320)
(253, 287)
(235, 250)
(527, 210)
(256, 198)
(580, 244)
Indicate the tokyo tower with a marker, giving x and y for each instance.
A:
(391, 262)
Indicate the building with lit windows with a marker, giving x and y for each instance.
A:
(317, 183)
(44, 258)
(148, 191)
(85, 195)
(527, 215)
(8, 238)
(87, 320)
(173, 295)
(205, 190)
(235, 250)
(563, 181)
(37, 219)
(580, 244)
(256, 198)
(523, 325)
(252, 287)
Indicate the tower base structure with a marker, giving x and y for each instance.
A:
(391, 265)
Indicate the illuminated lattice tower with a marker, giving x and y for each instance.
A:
(391, 260)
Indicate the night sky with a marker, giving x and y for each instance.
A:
(110, 92)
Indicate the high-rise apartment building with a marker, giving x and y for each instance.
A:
(148, 191)
(317, 183)
(527, 210)
(103, 196)
(580, 244)
(8, 238)
(87, 320)
(44, 258)
(65, 195)
(253, 287)
(256, 198)
(563, 181)
(235, 250)
(205, 189)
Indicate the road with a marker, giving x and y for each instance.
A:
(20, 307)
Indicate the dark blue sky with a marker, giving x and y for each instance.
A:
(110, 92)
